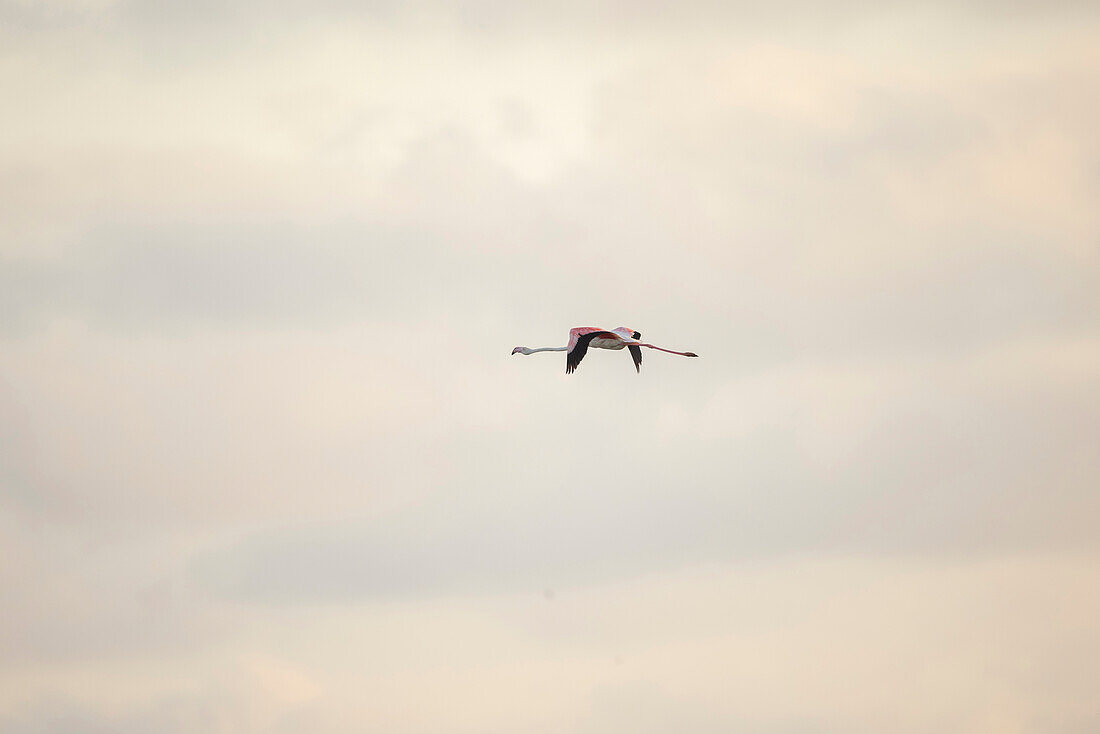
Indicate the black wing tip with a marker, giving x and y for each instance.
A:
(573, 359)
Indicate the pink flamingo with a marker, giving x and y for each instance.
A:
(583, 337)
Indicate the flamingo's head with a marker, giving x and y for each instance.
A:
(521, 350)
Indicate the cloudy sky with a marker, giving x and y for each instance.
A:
(266, 464)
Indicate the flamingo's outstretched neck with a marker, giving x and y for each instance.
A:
(529, 350)
(670, 351)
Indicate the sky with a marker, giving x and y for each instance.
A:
(267, 465)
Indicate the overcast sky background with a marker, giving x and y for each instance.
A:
(266, 464)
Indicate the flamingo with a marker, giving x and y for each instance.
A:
(583, 337)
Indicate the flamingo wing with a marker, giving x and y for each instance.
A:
(628, 335)
(579, 331)
(579, 339)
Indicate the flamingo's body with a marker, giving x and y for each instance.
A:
(583, 337)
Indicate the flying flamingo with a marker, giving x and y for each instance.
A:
(583, 337)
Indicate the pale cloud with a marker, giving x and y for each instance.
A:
(795, 644)
(267, 465)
